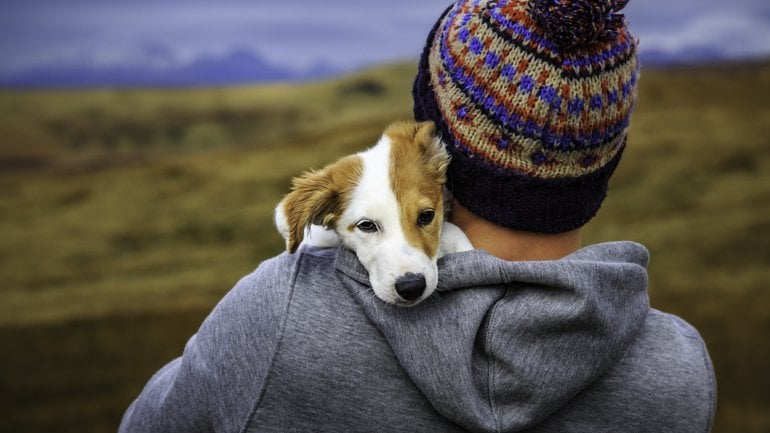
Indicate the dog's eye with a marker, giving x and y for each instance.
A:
(367, 226)
(426, 217)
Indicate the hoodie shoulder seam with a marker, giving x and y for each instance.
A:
(279, 342)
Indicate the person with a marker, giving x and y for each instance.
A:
(530, 331)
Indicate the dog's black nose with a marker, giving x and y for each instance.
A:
(410, 286)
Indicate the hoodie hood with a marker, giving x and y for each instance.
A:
(514, 341)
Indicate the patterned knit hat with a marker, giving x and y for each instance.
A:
(534, 99)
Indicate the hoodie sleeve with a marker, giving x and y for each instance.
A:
(217, 381)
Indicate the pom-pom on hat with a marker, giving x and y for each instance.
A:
(534, 99)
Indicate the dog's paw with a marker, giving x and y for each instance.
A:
(279, 218)
(453, 240)
(316, 236)
(321, 237)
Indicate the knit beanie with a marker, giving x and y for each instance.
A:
(533, 98)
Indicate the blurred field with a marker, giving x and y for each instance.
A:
(125, 215)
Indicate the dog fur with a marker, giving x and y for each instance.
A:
(386, 204)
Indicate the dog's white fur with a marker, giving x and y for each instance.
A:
(387, 254)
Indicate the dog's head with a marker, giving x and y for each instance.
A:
(386, 204)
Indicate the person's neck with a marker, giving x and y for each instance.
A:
(513, 245)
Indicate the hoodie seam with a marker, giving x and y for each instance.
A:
(491, 373)
(279, 342)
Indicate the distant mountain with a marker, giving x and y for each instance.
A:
(686, 56)
(157, 68)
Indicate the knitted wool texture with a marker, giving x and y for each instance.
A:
(534, 100)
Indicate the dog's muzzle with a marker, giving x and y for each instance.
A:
(410, 286)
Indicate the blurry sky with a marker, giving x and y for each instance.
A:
(299, 34)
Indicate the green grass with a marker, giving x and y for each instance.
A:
(127, 214)
(694, 187)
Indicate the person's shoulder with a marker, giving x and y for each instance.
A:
(670, 365)
(254, 311)
(281, 265)
(274, 279)
(665, 334)
(677, 342)
(226, 365)
(664, 382)
(286, 268)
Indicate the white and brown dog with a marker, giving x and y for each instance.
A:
(386, 204)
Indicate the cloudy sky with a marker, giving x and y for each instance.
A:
(300, 34)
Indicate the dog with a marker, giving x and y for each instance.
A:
(387, 204)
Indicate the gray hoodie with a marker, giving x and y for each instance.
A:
(303, 345)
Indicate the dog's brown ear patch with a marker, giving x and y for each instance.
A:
(319, 197)
(418, 164)
(424, 143)
(432, 150)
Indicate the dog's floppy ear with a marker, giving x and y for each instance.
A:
(319, 197)
(432, 150)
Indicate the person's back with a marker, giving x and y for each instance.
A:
(529, 332)
(544, 346)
